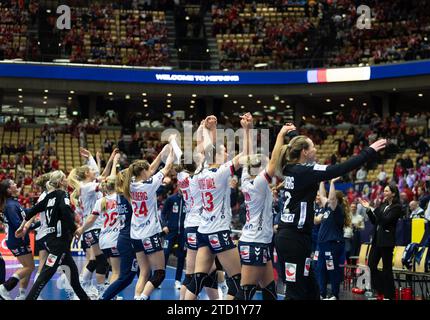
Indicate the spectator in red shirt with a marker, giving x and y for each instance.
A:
(55, 164)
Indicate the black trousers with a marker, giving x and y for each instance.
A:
(58, 255)
(2, 270)
(294, 250)
(382, 281)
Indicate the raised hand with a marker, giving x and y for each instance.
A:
(364, 203)
(287, 128)
(84, 153)
(379, 144)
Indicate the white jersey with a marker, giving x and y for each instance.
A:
(215, 194)
(145, 221)
(111, 226)
(258, 202)
(41, 231)
(88, 196)
(192, 219)
(184, 183)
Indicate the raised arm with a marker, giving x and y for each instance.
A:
(114, 165)
(322, 172)
(332, 200)
(169, 163)
(108, 167)
(286, 129)
(157, 161)
(323, 194)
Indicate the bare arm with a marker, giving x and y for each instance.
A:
(114, 164)
(323, 194)
(109, 163)
(157, 161)
(169, 163)
(332, 200)
(271, 167)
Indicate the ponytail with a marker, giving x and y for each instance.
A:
(290, 153)
(128, 176)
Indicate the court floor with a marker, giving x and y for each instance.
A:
(53, 292)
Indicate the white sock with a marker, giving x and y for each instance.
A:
(136, 297)
(144, 297)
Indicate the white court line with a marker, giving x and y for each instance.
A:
(14, 266)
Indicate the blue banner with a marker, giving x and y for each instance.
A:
(141, 75)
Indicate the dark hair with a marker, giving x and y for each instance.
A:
(4, 185)
(395, 190)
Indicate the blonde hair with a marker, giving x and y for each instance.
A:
(134, 170)
(76, 176)
(108, 186)
(341, 200)
(119, 185)
(42, 180)
(290, 153)
(55, 180)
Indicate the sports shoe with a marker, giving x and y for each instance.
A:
(92, 292)
(4, 294)
(178, 284)
(331, 298)
(118, 297)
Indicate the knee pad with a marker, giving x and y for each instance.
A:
(233, 284)
(91, 266)
(101, 263)
(196, 283)
(157, 277)
(187, 279)
(269, 292)
(211, 280)
(246, 292)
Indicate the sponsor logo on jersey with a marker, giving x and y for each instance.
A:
(192, 239)
(287, 217)
(307, 267)
(50, 261)
(290, 272)
(316, 254)
(67, 201)
(244, 252)
(329, 264)
(214, 241)
(289, 183)
(320, 167)
(147, 245)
